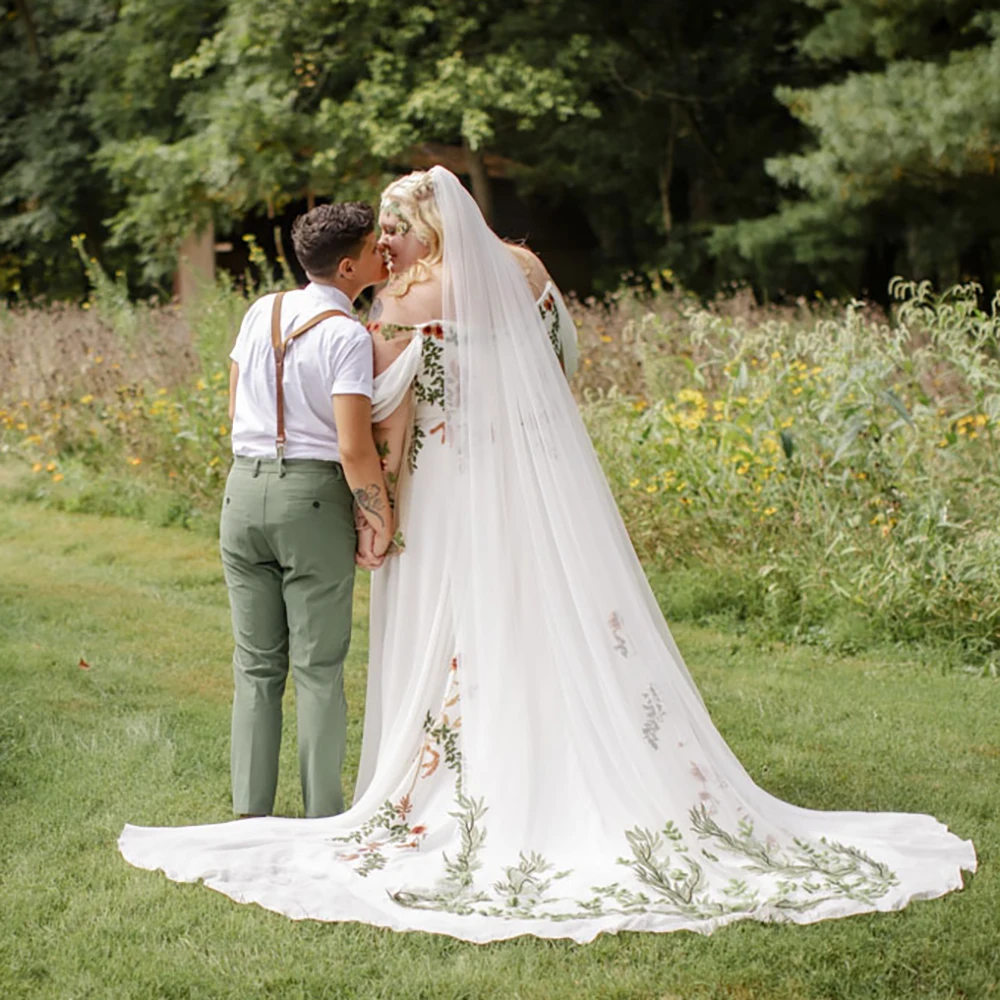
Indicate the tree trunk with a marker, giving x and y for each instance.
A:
(279, 245)
(24, 12)
(481, 190)
(667, 173)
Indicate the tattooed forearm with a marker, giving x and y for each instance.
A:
(369, 499)
(360, 521)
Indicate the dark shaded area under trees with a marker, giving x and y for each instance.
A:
(795, 144)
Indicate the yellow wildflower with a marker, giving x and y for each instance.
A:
(633, 484)
(37, 467)
(134, 461)
(691, 396)
(652, 488)
(88, 398)
(51, 467)
(58, 477)
(769, 511)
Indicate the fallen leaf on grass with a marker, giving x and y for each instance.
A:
(84, 665)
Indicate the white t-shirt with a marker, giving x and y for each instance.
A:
(334, 358)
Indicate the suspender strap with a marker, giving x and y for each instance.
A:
(279, 347)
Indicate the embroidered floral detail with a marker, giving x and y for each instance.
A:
(389, 827)
(417, 436)
(673, 882)
(652, 703)
(388, 331)
(617, 627)
(429, 383)
(553, 322)
(428, 387)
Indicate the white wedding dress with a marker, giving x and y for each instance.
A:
(536, 757)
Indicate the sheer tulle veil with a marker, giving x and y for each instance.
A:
(580, 718)
(556, 621)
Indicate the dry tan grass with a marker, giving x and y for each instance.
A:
(64, 351)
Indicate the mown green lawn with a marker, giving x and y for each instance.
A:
(142, 736)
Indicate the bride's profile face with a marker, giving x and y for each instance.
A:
(398, 242)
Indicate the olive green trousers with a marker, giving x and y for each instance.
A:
(287, 538)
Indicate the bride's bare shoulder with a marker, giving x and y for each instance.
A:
(420, 303)
(531, 267)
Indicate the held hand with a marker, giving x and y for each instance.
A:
(380, 544)
(366, 556)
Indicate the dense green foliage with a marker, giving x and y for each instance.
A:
(797, 143)
(902, 174)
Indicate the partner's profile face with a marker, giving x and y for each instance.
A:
(398, 242)
(370, 265)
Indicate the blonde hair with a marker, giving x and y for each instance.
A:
(411, 199)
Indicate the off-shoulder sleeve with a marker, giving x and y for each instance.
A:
(392, 384)
(560, 327)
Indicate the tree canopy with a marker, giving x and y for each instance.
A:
(797, 143)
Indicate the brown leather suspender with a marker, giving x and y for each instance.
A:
(280, 346)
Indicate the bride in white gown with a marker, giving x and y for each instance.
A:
(536, 757)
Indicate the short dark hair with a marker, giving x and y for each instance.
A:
(327, 234)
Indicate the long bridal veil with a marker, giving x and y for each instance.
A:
(591, 790)
(585, 738)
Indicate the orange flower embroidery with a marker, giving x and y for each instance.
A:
(430, 765)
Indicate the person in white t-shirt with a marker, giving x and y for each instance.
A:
(305, 474)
